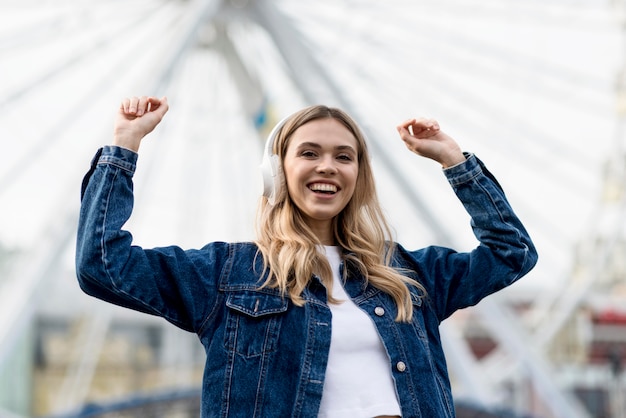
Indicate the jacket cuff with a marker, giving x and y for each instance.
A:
(119, 157)
(463, 171)
(110, 154)
(467, 170)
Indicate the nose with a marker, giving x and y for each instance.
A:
(327, 165)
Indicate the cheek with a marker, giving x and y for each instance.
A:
(355, 185)
(288, 173)
(354, 178)
(292, 182)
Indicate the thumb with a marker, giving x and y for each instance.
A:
(159, 106)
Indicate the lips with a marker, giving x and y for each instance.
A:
(323, 188)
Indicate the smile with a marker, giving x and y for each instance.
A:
(323, 188)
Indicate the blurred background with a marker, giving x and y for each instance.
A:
(536, 88)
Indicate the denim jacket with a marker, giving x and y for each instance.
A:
(265, 356)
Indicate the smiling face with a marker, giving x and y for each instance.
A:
(321, 169)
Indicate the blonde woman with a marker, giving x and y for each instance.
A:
(323, 315)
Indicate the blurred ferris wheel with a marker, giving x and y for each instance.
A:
(536, 89)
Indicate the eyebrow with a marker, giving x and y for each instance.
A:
(318, 146)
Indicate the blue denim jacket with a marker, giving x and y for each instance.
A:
(265, 356)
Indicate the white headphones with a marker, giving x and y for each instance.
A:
(271, 169)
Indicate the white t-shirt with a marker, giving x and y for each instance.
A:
(358, 380)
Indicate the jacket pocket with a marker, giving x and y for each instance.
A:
(253, 322)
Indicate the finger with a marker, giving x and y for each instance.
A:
(124, 105)
(405, 125)
(142, 105)
(417, 126)
(425, 123)
(425, 128)
(132, 105)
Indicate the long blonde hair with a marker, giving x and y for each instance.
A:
(289, 246)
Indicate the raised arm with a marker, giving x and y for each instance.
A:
(178, 285)
(505, 253)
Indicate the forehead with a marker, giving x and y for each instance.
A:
(325, 132)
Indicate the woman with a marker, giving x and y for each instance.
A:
(323, 315)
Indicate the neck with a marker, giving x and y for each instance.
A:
(324, 232)
(327, 239)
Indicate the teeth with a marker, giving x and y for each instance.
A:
(323, 187)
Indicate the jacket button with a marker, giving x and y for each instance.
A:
(400, 366)
(379, 311)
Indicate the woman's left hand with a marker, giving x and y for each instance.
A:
(424, 137)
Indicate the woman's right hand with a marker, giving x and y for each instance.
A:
(136, 118)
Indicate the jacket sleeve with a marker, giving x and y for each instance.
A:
(180, 286)
(505, 252)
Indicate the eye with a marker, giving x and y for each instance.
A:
(345, 157)
(308, 154)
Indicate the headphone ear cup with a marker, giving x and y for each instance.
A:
(271, 170)
(272, 177)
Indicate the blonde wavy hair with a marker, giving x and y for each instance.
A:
(289, 246)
